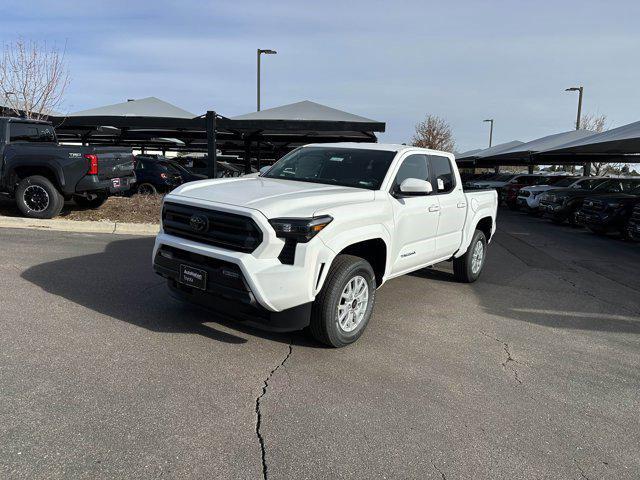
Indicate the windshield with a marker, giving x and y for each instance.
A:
(349, 167)
(170, 167)
(179, 168)
(563, 181)
(589, 184)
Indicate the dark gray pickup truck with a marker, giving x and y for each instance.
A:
(41, 174)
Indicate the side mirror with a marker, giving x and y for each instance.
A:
(264, 170)
(415, 187)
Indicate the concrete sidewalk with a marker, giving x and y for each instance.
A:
(118, 228)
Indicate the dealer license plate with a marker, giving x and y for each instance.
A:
(193, 277)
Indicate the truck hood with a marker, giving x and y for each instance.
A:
(275, 198)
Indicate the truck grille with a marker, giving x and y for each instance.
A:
(220, 229)
(592, 206)
(635, 215)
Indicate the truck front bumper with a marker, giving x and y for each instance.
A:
(260, 291)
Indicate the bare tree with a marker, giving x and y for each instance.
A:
(598, 123)
(593, 123)
(434, 132)
(33, 78)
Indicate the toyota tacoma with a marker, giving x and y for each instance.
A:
(308, 241)
(41, 174)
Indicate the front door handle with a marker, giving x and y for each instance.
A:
(434, 208)
(461, 204)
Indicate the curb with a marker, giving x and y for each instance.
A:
(116, 228)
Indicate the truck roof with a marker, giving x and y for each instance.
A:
(387, 147)
(23, 120)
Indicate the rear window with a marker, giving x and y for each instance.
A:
(30, 132)
(442, 173)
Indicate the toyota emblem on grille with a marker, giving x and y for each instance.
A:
(199, 223)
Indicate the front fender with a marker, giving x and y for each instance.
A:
(337, 242)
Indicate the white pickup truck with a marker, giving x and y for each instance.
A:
(308, 242)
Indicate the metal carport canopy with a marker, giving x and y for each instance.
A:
(471, 157)
(614, 143)
(521, 154)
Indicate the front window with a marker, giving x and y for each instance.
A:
(414, 166)
(348, 167)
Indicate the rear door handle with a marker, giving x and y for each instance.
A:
(461, 204)
(434, 208)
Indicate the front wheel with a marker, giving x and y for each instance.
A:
(468, 267)
(342, 309)
(37, 197)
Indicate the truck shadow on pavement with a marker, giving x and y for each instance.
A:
(120, 283)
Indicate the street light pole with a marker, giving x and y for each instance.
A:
(260, 52)
(580, 91)
(587, 166)
(490, 120)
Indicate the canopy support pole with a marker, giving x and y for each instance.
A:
(212, 164)
(247, 155)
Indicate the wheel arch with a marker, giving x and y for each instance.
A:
(374, 251)
(20, 172)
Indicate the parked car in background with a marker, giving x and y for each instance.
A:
(228, 165)
(562, 205)
(632, 229)
(529, 197)
(161, 175)
(608, 213)
(492, 180)
(40, 174)
(509, 192)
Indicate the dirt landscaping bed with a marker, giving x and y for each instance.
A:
(134, 209)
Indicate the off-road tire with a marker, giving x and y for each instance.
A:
(84, 202)
(324, 325)
(52, 202)
(463, 266)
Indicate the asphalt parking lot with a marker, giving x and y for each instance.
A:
(532, 372)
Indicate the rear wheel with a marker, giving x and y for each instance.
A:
(343, 307)
(84, 202)
(37, 197)
(468, 267)
(146, 189)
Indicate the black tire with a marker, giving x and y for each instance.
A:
(324, 325)
(146, 189)
(463, 267)
(84, 202)
(37, 197)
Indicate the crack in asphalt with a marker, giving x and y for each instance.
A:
(582, 474)
(442, 475)
(265, 386)
(508, 358)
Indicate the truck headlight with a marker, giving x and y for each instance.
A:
(300, 229)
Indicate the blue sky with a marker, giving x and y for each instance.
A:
(393, 61)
